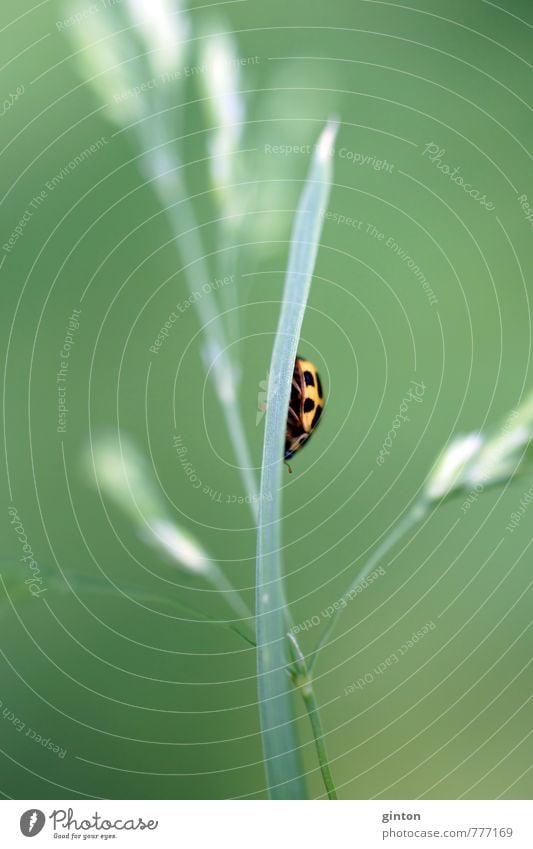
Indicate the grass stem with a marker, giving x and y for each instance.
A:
(311, 706)
(276, 708)
(398, 531)
(164, 174)
(303, 682)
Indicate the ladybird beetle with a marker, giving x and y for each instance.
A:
(305, 406)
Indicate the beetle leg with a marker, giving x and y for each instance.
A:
(293, 417)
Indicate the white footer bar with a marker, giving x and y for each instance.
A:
(264, 825)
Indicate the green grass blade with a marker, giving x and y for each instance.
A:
(398, 531)
(73, 583)
(280, 747)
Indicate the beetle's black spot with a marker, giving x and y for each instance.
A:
(309, 405)
(316, 417)
(309, 379)
(319, 386)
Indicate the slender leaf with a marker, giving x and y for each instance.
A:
(283, 772)
(10, 577)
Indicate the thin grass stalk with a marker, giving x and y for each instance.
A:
(311, 706)
(120, 471)
(143, 596)
(396, 534)
(468, 461)
(228, 262)
(301, 677)
(283, 772)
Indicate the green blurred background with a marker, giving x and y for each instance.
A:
(145, 704)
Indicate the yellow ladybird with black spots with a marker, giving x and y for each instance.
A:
(305, 407)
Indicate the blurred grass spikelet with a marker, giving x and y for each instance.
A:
(121, 471)
(221, 81)
(118, 48)
(117, 467)
(164, 29)
(225, 373)
(180, 545)
(106, 59)
(123, 45)
(448, 471)
(478, 459)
